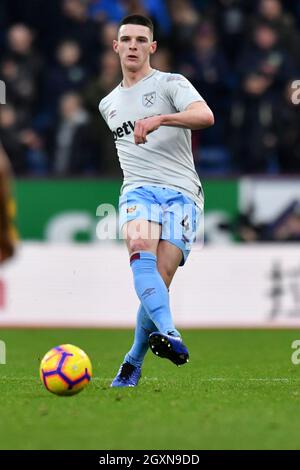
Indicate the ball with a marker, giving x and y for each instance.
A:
(65, 370)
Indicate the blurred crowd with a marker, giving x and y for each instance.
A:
(242, 56)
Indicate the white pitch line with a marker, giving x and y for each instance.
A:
(156, 379)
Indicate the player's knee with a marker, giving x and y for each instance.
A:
(167, 275)
(139, 245)
(167, 272)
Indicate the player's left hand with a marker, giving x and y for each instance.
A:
(143, 127)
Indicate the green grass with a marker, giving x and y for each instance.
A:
(240, 391)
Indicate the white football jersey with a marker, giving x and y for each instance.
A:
(166, 158)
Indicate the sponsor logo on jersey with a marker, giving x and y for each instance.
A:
(149, 99)
(127, 128)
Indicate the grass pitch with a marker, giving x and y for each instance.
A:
(239, 391)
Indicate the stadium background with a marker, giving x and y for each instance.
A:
(57, 63)
(240, 389)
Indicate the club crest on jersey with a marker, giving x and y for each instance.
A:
(149, 99)
(130, 210)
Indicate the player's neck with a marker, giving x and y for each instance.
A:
(131, 78)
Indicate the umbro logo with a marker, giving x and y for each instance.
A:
(112, 114)
(148, 292)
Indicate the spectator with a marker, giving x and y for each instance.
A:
(76, 25)
(207, 67)
(21, 69)
(271, 11)
(20, 47)
(230, 18)
(10, 137)
(109, 32)
(71, 148)
(67, 75)
(23, 144)
(108, 78)
(185, 20)
(266, 56)
(252, 140)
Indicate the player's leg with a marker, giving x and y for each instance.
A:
(142, 250)
(169, 346)
(180, 220)
(168, 260)
(142, 238)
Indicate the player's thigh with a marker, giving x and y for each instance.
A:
(141, 235)
(179, 222)
(169, 258)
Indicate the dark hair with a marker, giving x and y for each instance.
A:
(137, 19)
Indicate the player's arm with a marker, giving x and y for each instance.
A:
(6, 244)
(197, 115)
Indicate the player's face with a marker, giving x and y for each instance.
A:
(134, 46)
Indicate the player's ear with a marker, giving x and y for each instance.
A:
(153, 47)
(115, 46)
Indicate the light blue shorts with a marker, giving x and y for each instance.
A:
(178, 215)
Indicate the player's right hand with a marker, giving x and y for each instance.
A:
(143, 127)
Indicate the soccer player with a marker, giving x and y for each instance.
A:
(7, 231)
(151, 115)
